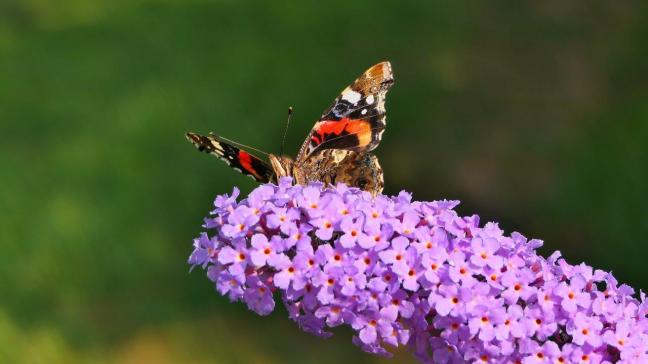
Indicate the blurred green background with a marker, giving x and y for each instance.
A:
(534, 114)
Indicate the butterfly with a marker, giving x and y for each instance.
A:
(336, 150)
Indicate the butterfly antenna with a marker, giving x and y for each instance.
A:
(283, 141)
(242, 146)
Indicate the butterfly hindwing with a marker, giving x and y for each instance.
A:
(333, 166)
(236, 158)
(356, 119)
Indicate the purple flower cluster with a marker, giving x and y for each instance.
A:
(403, 272)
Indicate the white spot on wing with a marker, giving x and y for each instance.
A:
(351, 96)
(223, 159)
(364, 111)
(369, 100)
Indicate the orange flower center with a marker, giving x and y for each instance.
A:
(517, 287)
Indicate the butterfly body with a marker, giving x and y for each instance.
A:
(338, 147)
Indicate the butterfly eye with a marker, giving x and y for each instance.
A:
(361, 183)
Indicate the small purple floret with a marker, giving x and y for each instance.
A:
(402, 272)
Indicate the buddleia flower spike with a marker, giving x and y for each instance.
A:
(412, 273)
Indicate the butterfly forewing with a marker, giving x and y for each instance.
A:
(235, 157)
(356, 119)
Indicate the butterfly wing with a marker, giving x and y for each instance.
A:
(236, 158)
(356, 119)
(333, 166)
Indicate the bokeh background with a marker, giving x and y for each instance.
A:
(534, 114)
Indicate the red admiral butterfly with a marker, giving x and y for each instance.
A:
(337, 148)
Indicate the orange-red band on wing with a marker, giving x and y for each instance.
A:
(332, 129)
(361, 129)
(246, 162)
